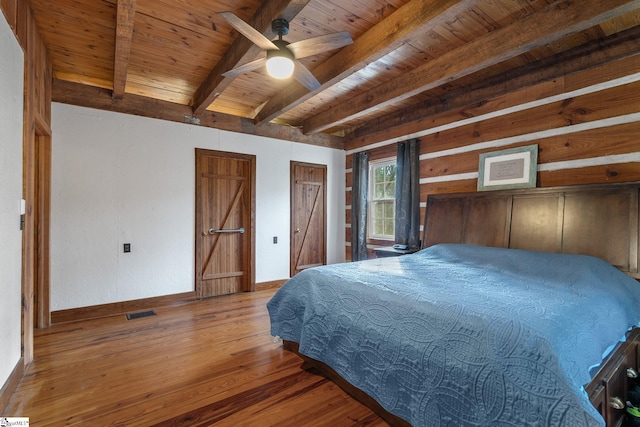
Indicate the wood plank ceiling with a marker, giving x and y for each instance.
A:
(410, 59)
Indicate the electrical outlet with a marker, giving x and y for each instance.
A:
(127, 247)
(275, 240)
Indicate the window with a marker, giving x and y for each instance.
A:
(382, 199)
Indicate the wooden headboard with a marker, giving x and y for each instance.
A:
(599, 220)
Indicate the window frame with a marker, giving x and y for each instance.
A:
(371, 201)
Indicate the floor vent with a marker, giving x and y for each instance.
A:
(138, 315)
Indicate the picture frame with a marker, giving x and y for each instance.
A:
(508, 169)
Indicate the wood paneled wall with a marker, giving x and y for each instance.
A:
(586, 125)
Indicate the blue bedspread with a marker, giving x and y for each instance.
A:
(461, 335)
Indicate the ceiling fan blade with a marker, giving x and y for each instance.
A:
(319, 44)
(304, 76)
(249, 66)
(248, 31)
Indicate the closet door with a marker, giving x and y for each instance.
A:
(224, 223)
(308, 216)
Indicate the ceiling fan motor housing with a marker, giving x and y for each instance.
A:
(280, 26)
(282, 50)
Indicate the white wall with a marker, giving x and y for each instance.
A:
(11, 104)
(126, 179)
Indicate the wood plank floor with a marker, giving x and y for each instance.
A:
(211, 362)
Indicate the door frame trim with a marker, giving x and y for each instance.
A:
(42, 205)
(252, 227)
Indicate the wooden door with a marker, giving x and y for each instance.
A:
(308, 216)
(225, 216)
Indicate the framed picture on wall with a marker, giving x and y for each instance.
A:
(511, 168)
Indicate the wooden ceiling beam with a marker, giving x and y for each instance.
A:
(417, 16)
(560, 19)
(405, 121)
(93, 97)
(125, 14)
(243, 50)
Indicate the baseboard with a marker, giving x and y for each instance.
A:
(117, 308)
(269, 285)
(10, 386)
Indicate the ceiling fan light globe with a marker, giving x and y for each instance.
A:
(280, 67)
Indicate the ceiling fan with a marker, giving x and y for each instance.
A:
(281, 59)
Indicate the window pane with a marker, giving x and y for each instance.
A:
(378, 210)
(389, 228)
(378, 174)
(389, 210)
(390, 172)
(390, 190)
(378, 227)
(378, 191)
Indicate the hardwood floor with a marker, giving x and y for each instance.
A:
(211, 362)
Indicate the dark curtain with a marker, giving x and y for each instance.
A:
(408, 194)
(359, 195)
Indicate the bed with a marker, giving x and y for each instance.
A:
(504, 318)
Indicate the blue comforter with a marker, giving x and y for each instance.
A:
(462, 335)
